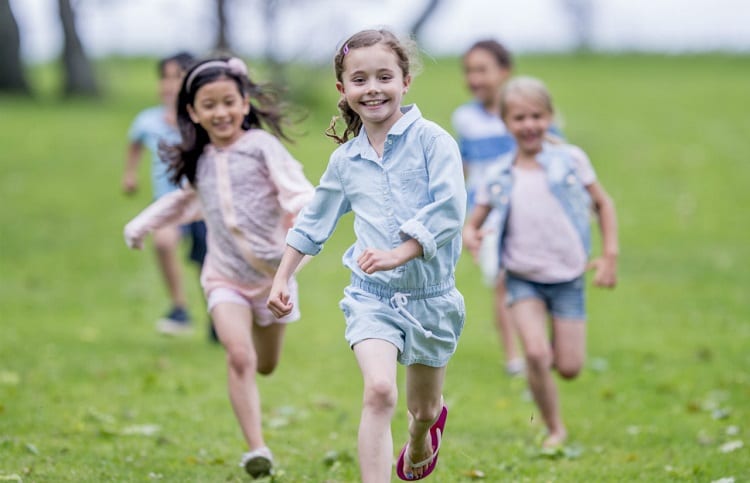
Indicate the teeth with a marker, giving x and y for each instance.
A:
(373, 103)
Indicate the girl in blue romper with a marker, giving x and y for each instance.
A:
(401, 175)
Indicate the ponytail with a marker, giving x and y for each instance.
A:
(351, 119)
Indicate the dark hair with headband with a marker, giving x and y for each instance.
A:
(266, 112)
(365, 38)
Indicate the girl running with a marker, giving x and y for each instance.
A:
(248, 187)
(543, 192)
(401, 176)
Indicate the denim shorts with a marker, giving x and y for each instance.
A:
(566, 300)
(423, 324)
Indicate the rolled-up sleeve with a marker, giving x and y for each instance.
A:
(319, 217)
(441, 220)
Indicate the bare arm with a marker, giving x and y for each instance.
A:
(606, 265)
(132, 160)
(473, 233)
(372, 260)
(279, 299)
(177, 207)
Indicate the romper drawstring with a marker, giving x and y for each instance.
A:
(398, 303)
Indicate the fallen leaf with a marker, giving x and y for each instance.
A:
(11, 477)
(31, 448)
(732, 430)
(705, 439)
(155, 476)
(730, 446)
(633, 430)
(475, 474)
(728, 479)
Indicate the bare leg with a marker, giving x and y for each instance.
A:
(377, 361)
(530, 316)
(569, 353)
(268, 342)
(166, 243)
(424, 389)
(233, 324)
(505, 328)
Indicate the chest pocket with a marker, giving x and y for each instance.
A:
(415, 186)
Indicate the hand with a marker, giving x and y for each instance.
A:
(605, 274)
(373, 260)
(133, 241)
(473, 241)
(279, 299)
(129, 183)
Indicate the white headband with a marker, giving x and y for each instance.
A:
(234, 65)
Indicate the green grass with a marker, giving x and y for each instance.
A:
(669, 373)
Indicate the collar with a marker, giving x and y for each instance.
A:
(361, 144)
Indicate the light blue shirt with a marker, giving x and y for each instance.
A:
(150, 128)
(415, 191)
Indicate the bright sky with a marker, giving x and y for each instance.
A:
(312, 29)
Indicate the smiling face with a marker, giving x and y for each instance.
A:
(484, 75)
(373, 85)
(528, 120)
(220, 109)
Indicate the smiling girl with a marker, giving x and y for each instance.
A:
(544, 191)
(401, 176)
(247, 185)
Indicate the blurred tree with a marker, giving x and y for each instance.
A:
(79, 74)
(222, 40)
(11, 75)
(421, 20)
(581, 14)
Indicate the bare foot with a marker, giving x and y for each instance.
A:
(417, 452)
(555, 439)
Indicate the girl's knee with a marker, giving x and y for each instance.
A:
(539, 357)
(241, 360)
(569, 369)
(266, 367)
(381, 394)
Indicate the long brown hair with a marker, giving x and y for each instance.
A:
(364, 38)
(266, 112)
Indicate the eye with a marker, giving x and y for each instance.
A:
(358, 80)
(386, 77)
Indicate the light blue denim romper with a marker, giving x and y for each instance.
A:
(416, 191)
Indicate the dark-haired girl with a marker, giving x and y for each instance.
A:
(248, 188)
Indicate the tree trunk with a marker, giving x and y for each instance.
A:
(12, 77)
(271, 20)
(79, 75)
(419, 23)
(222, 42)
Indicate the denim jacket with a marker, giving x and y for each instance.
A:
(564, 182)
(416, 191)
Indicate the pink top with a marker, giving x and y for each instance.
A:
(248, 192)
(541, 244)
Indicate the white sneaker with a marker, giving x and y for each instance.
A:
(258, 462)
(515, 367)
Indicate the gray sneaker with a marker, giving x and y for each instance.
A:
(258, 463)
(176, 322)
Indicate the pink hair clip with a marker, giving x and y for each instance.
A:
(345, 50)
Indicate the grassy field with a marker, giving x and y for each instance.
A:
(89, 392)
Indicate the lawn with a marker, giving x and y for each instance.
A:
(89, 391)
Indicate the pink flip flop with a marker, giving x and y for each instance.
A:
(436, 435)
